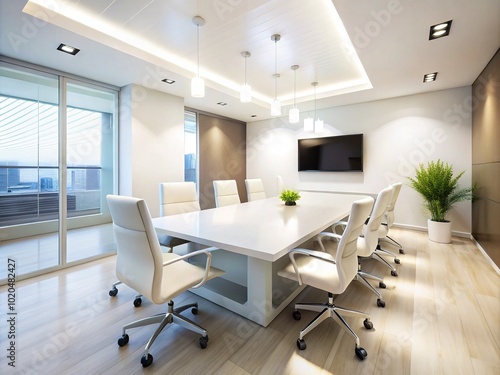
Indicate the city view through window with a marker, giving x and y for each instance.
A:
(29, 174)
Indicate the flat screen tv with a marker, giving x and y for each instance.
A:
(343, 153)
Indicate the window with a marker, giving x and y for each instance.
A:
(190, 147)
(55, 156)
(29, 181)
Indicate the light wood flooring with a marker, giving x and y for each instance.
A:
(442, 317)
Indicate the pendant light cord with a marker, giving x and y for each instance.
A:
(198, 47)
(294, 86)
(245, 69)
(275, 70)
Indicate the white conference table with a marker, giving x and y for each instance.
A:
(255, 238)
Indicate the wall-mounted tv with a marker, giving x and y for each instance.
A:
(341, 153)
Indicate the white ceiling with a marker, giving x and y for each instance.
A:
(357, 51)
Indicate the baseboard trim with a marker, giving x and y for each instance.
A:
(424, 229)
(495, 267)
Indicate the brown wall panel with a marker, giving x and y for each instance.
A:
(222, 155)
(485, 224)
(487, 178)
(486, 158)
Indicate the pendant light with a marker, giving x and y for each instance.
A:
(246, 89)
(318, 124)
(276, 105)
(197, 83)
(293, 113)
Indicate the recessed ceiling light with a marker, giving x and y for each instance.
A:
(68, 49)
(222, 103)
(440, 30)
(429, 77)
(168, 80)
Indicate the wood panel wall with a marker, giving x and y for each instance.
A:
(222, 155)
(486, 158)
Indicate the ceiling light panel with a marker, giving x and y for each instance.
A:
(430, 77)
(440, 30)
(68, 49)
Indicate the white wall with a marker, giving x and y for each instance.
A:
(398, 133)
(151, 145)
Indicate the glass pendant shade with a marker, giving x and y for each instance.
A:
(246, 93)
(293, 115)
(197, 87)
(318, 126)
(276, 108)
(308, 124)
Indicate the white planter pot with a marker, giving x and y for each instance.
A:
(439, 231)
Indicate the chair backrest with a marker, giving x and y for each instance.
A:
(279, 184)
(255, 189)
(226, 193)
(396, 188)
(367, 243)
(347, 258)
(139, 261)
(177, 198)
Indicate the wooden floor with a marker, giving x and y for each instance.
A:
(442, 317)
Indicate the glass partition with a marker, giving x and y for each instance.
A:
(50, 154)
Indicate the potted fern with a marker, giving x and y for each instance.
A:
(290, 197)
(440, 190)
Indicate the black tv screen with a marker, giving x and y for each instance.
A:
(341, 153)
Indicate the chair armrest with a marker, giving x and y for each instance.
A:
(312, 253)
(207, 252)
(327, 234)
(339, 224)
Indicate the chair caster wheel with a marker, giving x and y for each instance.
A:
(203, 342)
(146, 360)
(360, 353)
(194, 311)
(296, 315)
(137, 302)
(401, 251)
(397, 261)
(368, 324)
(380, 303)
(382, 285)
(301, 344)
(122, 341)
(113, 291)
(394, 273)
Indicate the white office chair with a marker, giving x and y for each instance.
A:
(332, 274)
(159, 276)
(175, 198)
(255, 189)
(367, 241)
(389, 218)
(226, 193)
(380, 253)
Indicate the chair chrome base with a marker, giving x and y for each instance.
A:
(377, 255)
(172, 316)
(362, 277)
(395, 243)
(114, 291)
(329, 310)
